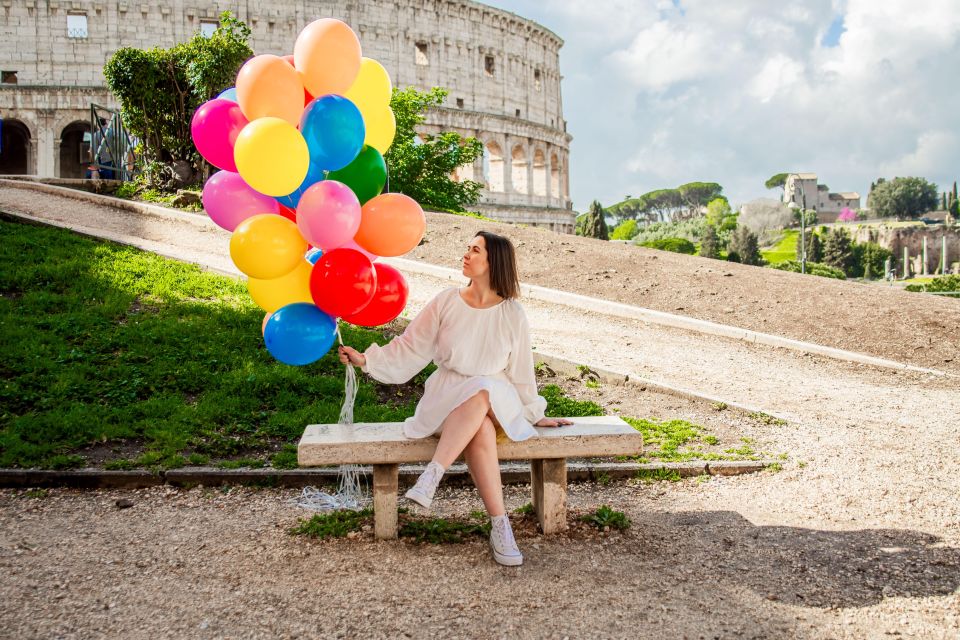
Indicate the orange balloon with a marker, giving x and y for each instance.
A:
(327, 54)
(268, 86)
(390, 225)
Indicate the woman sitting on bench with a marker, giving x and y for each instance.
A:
(479, 338)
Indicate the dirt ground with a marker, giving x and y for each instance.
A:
(876, 319)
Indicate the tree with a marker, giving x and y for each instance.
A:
(594, 226)
(869, 260)
(814, 247)
(954, 209)
(744, 243)
(765, 213)
(777, 180)
(626, 230)
(943, 201)
(422, 170)
(695, 195)
(159, 89)
(710, 242)
(838, 250)
(903, 197)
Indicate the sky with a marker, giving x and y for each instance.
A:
(662, 92)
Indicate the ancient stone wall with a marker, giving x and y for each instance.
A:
(896, 238)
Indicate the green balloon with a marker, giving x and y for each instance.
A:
(366, 175)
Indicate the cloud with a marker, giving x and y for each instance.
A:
(660, 93)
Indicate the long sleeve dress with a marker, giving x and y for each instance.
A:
(474, 349)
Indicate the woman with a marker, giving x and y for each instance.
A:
(480, 339)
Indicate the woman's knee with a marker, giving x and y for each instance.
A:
(486, 436)
(481, 399)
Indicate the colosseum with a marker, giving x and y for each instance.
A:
(502, 71)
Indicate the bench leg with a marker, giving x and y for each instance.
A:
(385, 479)
(548, 480)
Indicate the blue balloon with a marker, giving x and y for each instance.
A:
(299, 333)
(313, 255)
(229, 94)
(334, 131)
(314, 175)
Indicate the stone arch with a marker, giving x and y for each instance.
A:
(74, 149)
(554, 176)
(518, 170)
(493, 167)
(539, 173)
(15, 141)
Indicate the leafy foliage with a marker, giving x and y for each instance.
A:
(626, 230)
(605, 517)
(710, 243)
(776, 180)
(847, 215)
(442, 530)
(946, 283)
(745, 245)
(869, 260)
(814, 247)
(838, 250)
(902, 197)
(336, 524)
(159, 89)
(594, 225)
(676, 245)
(560, 406)
(813, 268)
(692, 230)
(681, 203)
(422, 169)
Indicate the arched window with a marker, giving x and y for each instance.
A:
(539, 173)
(554, 176)
(74, 152)
(518, 173)
(493, 167)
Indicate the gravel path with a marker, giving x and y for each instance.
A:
(859, 536)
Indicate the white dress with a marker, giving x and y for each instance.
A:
(474, 349)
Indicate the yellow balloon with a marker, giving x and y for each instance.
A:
(267, 246)
(380, 130)
(372, 89)
(270, 295)
(272, 156)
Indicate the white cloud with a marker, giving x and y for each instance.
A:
(658, 94)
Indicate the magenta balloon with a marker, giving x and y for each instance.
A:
(229, 200)
(328, 214)
(215, 127)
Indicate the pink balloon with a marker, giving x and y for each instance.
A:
(229, 200)
(328, 214)
(215, 127)
(353, 245)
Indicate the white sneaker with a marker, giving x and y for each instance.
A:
(504, 547)
(422, 492)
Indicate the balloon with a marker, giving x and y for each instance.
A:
(314, 175)
(328, 214)
(267, 246)
(287, 212)
(268, 86)
(343, 282)
(333, 129)
(215, 127)
(391, 224)
(327, 54)
(299, 333)
(366, 175)
(270, 295)
(263, 325)
(372, 89)
(353, 245)
(272, 156)
(229, 200)
(313, 255)
(381, 127)
(229, 94)
(388, 300)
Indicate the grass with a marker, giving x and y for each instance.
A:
(132, 191)
(525, 510)
(336, 524)
(657, 475)
(766, 418)
(605, 518)
(443, 530)
(785, 249)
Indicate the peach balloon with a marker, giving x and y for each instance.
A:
(327, 55)
(391, 225)
(268, 86)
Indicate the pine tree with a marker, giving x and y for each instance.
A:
(595, 226)
(954, 189)
(814, 247)
(744, 243)
(943, 201)
(838, 250)
(710, 243)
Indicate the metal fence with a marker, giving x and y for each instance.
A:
(112, 149)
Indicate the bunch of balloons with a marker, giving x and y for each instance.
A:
(300, 141)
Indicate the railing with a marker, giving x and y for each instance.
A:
(112, 151)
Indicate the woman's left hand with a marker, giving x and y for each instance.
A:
(553, 422)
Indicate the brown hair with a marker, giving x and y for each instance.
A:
(502, 258)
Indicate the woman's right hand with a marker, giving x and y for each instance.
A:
(352, 356)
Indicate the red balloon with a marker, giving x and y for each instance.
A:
(388, 300)
(343, 282)
(288, 213)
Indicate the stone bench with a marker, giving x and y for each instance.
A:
(384, 446)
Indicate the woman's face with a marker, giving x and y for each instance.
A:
(475, 263)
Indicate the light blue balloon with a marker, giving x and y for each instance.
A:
(314, 175)
(334, 131)
(299, 333)
(229, 94)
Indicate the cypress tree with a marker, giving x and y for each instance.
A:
(594, 225)
(710, 243)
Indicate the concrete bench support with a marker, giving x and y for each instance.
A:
(385, 482)
(548, 482)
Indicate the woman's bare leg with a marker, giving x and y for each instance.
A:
(460, 427)
(481, 456)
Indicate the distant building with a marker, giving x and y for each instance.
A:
(804, 186)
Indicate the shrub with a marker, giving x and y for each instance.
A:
(710, 244)
(814, 247)
(692, 230)
(847, 215)
(869, 260)
(813, 268)
(625, 231)
(677, 245)
(945, 283)
(605, 517)
(838, 250)
(745, 244)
